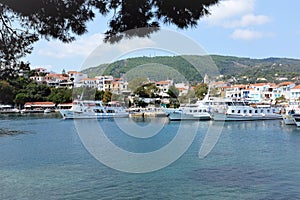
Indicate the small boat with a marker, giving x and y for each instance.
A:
(288, 119)
(190, 112)
(49, 110)
(248, 113)
(88, 109)
(296, 119)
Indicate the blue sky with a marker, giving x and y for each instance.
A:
(247, 28)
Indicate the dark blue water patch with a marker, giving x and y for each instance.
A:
(232, 176)
(135, 144)
(54, 141)
(30, 116)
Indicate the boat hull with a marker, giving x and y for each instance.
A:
(232, 117)
(288, 120)
(296, 119)
(181, 117)
(66, 114)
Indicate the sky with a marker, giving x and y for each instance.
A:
(244, 28)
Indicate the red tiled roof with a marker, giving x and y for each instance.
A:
(285, 83)
(182, 89)
(296, 87)
(259, 84)
(219, 82)
(239, 86)
(163, 82)
(39, 104)
(226, 86)
(74, 72)
(89, 79)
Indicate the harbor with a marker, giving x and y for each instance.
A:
(43, 156)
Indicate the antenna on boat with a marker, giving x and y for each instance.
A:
(206, 97)
(80, 98)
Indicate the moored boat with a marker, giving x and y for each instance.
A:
(88, 109)
(8, 110)
(190, 112)
(296, 119)
(288, 119)
(248, 113)
(49, 110)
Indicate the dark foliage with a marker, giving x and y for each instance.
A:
(24, 22)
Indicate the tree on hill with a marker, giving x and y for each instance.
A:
(173, 92)
(137, 82)
(22, 25)
(201, 90)
(21, 99)
(148, 90)
(106, 97)
(60, 95)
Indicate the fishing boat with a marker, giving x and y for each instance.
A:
(248, 113)
(190, 112)
(88, 109)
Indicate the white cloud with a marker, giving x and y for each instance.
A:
(229, 9)
(81, 47)
(238, 15)
(248, 20)
(235, 13)
(246, 34)
(93, 44)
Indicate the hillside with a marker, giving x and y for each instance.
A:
(180, 68)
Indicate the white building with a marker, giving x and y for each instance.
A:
(54, 80)
(295, 92)
(88, 82)
(163, 86)
(104, 82)
(76, 77)
(183, 88)
(284, 89)
(38, 78)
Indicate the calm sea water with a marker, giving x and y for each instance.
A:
(42, 157)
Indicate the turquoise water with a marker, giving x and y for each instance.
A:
(42, 157)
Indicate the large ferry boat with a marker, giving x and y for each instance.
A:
(248, 113)
(88, 109)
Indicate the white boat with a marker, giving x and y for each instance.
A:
(296, 119)
(147, 112)
(289, 111)
(190, 112)
(89, 109)
(49, 110)
(248, 113)
(288, 119)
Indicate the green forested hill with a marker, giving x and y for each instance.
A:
(181, 68)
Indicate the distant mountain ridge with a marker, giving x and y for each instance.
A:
(179, 69)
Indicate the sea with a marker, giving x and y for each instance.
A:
(43, 156)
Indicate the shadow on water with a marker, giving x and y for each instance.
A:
(5, 132)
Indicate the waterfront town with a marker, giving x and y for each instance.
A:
(268, 93)
(257, 93)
